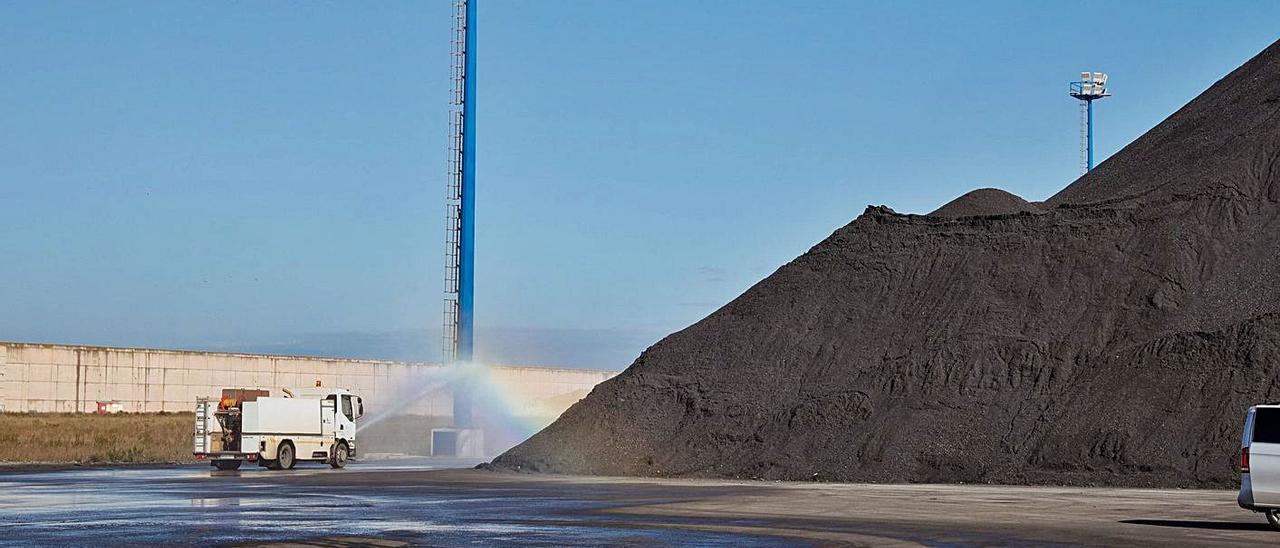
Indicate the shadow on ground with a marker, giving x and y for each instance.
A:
(1193, 524)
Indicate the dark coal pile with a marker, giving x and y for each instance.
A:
(984, 201)
(1113, 335)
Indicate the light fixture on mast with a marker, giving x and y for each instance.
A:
(1091, 87)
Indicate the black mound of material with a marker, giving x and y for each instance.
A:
(1117, 337)
(984, 201)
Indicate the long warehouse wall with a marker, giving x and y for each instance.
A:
(65, 378)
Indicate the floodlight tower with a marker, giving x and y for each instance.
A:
(1092, 86)
(460, 207)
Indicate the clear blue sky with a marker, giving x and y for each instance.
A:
(270, 175)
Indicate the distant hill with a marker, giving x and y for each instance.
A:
(985, 201)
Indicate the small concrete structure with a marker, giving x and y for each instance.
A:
(66, 378)
(457, 442)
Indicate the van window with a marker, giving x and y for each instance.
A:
(1266, 425)
(1248, 428)
(346, 408)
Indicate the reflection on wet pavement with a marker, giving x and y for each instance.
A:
(194, 505)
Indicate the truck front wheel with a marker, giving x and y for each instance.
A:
(340, 454)
(227, 464)
(1273, 517)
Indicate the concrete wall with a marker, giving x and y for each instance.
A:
(63, 378)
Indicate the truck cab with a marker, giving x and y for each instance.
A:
(276, 429)
(1260, 462)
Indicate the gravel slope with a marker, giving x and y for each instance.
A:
(1115, 335)
(985, 201)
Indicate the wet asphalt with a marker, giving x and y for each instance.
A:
(430, 502)
(195, 505)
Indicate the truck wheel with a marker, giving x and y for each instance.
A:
(1273, 517)
(231, 464)
(284, 456)
(339, 455)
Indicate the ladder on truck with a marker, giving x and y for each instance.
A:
(201, 444)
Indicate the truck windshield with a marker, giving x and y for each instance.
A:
(1266, 425)
(346, 408)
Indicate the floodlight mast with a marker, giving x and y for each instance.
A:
(1092, 86)
(460, 207)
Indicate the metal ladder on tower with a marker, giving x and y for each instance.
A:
(453, 195)
(452, 234)
(1084, 137)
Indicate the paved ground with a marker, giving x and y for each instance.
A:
(398, 502)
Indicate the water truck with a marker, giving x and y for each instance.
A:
(276, 429)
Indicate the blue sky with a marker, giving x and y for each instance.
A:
(270, 175)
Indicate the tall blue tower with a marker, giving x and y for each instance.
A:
(461, 206)
(1091, 87)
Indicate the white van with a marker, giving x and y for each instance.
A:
(1260, 462)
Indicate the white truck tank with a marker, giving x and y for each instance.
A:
(277, 428)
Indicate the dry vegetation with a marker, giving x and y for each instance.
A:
(166, 437)
(82, 438)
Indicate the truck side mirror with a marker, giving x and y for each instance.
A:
(359, 407)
